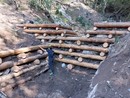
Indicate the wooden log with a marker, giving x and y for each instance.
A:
(22, 55)
(85, 39)
(113, 32)
(112, 24)
(21, 50)
(75, 62)
(78, 42)
(49, 31)
(82, 47)
(70, 66)
(12, 75)
(10, 64)
(110, 36)
(40, 28)
(6, 65)
(40, 51)
(80, 59)
(43, 26)
(105, 45)
(95, 57)
(21, 81)
(102, 54)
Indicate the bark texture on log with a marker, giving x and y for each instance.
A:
(96, 57)
(113, 32)
(10, 64)
(10, 76)
(112, 24)
(44, 26)
(75, 62)
(83, 47)
(97, 40)
(50, 31)
(21, 50)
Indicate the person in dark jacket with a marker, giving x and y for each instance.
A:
(50, 59)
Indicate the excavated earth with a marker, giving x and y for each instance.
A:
(112, 80)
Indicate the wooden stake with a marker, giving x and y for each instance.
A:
(105, 45)
(80, 59)
(70, 66)
(84, 64)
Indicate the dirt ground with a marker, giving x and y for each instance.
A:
(63, 84)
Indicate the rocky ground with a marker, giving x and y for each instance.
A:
(112, 79)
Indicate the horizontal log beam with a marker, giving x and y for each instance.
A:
(21, 50)
(84, 64)
(21, 81)
(82, 47)
(12, 75)
(96, 57)
(112, 24)
(43, 26)
(98, 40)
(10, 64)
(50, 31)
(113, 32)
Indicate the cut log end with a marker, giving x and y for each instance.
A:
(62, 34)
(87, 35)
(22, 56)
(80, 59)
(70, 66)
(40, 28)
(44, 34)
(70, 50)
(0, 60)
(36, 35)
(105, 45)
(60, 41)
(36, 62)
(57, 28)
(94, 28)
(40, 51)
(102, 54)
(78, 42)
(60, 56)
(43, 41)
(110, 36)
(24, 27)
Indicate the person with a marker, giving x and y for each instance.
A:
(50, 59)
